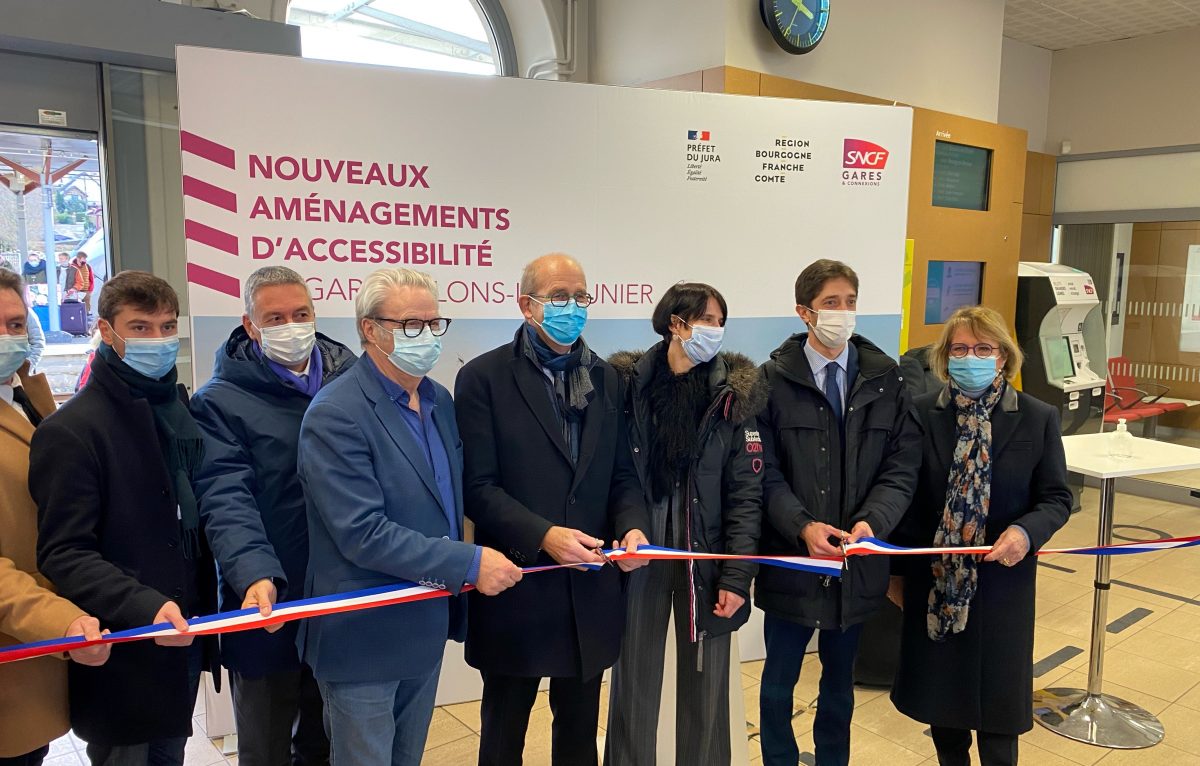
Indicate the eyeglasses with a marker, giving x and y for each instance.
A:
(414, 327)
(981, 350)
(560, 300)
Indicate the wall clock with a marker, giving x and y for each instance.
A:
(796, 25)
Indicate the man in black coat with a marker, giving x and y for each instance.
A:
(118, 526)
(842, 448)
(548, 479)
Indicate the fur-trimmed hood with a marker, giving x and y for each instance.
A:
(731, 373)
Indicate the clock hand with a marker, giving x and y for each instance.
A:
(787, 32)
(803, 9)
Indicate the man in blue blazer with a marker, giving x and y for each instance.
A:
(381, 463)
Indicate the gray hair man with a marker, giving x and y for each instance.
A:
(381, 462)
(550, 480)
(264, 379)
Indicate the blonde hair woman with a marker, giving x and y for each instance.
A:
(993, 473)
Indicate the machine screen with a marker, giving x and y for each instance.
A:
(950, 285)
(1059, 363)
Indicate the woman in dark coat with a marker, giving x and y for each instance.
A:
(993, 473)
(696, 446)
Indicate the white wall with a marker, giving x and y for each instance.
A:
(637, 41)
(1128, 94)
(1025, 91)
(1152, 182)
(937, 54)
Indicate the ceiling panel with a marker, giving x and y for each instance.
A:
(1058, 24)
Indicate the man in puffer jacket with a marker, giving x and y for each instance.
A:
(264, 378)
(843, 448)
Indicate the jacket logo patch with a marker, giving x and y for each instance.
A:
(753, 443)
(756, 464)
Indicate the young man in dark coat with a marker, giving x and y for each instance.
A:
(252, 506)
(119, 530)
(842, 449)
(549, 479)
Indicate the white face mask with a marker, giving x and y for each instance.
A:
(833, 328)
(288, 343)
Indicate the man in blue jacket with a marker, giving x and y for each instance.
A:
(252, 504)
(382, 466)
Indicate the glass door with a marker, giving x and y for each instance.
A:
(52, 232)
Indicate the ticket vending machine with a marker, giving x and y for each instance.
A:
(1061, 330)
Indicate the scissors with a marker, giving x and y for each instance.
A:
(599, 551)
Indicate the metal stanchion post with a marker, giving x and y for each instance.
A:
(1089, 715)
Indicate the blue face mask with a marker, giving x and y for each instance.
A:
(415, 356)
(972, 374)
(562, 324)
(14, 350)
(152, 357)
(704, 344)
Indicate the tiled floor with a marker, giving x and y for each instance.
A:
(1154, 662)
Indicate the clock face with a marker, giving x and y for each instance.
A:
(796, 25)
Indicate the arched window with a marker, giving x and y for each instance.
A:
(449, 35)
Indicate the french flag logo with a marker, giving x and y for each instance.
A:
(699, 135)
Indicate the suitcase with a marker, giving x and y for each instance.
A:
(73, 318)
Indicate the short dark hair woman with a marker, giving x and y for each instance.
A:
(695, 443)
(993, 473)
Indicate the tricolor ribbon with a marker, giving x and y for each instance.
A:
(407, 592)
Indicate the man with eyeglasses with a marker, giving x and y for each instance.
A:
(381, 465)
(264, 378)
(549, 480)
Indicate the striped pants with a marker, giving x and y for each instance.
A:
(702, 695)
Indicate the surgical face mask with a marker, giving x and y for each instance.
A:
(563, 324)
(14, 350)
(152, 357)
(414, 356)
(833, 328)
(288, 343)
(704, 344)
(972, 374)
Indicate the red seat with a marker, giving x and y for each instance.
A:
(1115, 410)
(1129, 394)
(1129, 416)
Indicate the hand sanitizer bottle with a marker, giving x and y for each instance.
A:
(1120, 442)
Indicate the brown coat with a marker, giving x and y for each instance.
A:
(33, 693)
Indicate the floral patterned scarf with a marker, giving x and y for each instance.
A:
(964, 519)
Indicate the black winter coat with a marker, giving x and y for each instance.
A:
(724, 486)
(981, 678)
(108, 538)
(250, 496)
(518, 481)
(874, 473)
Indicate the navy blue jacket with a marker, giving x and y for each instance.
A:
(375, 518)
(250, 496)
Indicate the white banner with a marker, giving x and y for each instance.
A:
(336, 170)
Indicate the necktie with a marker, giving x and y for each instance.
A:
(833, 392)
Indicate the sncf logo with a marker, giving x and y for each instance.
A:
(857, 153)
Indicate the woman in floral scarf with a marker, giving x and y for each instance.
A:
(993, 473)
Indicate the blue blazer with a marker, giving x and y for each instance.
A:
(375, 518)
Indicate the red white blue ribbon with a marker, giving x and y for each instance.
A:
(406, 592)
